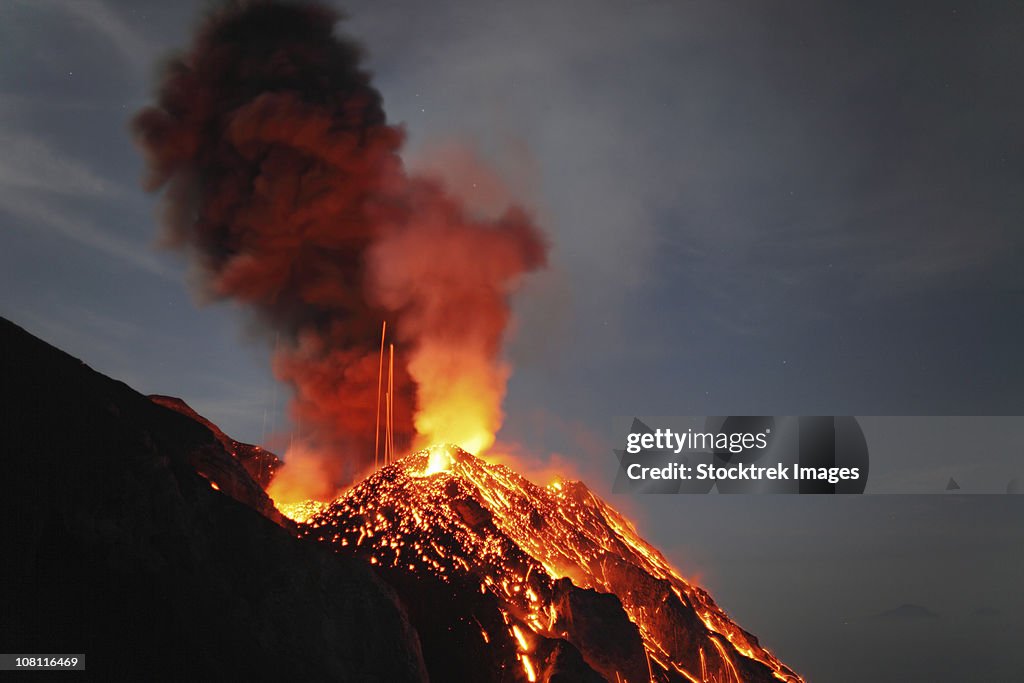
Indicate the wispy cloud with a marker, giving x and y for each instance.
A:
(30, 164)
(36, 183)
(109, 24)
(20, 106)
(46, 215)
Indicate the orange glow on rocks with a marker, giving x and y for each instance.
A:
(545, 554)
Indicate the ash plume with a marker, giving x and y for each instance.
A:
(282, 181)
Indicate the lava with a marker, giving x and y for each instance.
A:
(539, 551)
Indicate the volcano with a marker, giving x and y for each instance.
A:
(509, 581)
(137, 531)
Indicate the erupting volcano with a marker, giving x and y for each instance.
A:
(439, 566)
(507, 580)
(284, 182)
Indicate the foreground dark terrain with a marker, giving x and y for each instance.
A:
(117, 547)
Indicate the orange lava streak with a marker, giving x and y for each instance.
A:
(448, 513)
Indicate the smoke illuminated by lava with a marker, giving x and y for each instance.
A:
(451, 278)
(282, 179)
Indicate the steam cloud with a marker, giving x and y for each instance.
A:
(282, 179)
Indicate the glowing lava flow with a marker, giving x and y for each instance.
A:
(449, 514)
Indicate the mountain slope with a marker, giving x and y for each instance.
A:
(117, 545)
(532, 576)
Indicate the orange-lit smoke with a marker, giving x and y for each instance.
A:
(282, 179)
(449, 275)
(306, 477)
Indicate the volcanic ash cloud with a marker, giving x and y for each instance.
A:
(282, 181)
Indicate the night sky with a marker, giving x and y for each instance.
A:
(754, 208)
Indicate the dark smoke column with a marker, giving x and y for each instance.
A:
(281, 180)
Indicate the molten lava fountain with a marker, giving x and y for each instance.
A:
(557, 571)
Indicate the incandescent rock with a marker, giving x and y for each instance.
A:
(509, 581)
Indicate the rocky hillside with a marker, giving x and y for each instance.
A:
(131, 534)
(510, 581)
